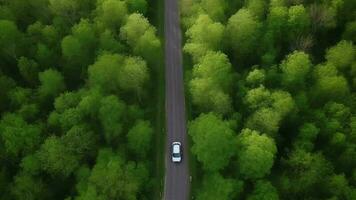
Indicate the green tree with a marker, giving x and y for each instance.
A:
(78, 50)
(71, 47)
(104, 72)
(64, 8)
(113, 178)
(295, 69)
(264, 190)
(6, 84)
(70, 10)
(20, 138)
(274, 38)
(139, 6)
(66, 101)
(258, 98)
(256, 77)
(26, 187)
(111, 14)
(69, 118)
(215, 186)
(305, 172)
(20, 96)
(52, 83)
(31, 164)
(56, 158)
(350, 32)
(45, 55)
(80, 140)
(329, 85)
(265, 120)
(257, 8)
(298, 22)
(255, 154)
(111, 114)
(27, 12)
(29, 70)
(211, 83)
(342, 55)
(306, 136)
(216, 9)
(139, 138)
(141, 37)
(133, 75)
(338, 186)
(199, 43)
(109, 43)
(10, 38)
(89, 104)
(244, 33)
(213, 141)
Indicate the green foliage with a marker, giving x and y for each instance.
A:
(71, 47)
(104, 72)
(26, 187)
(108, 42)
(110, 115)
(265, 120)
(31, 164)
(141, 37)
(111, 14)
(350, 32)
(211, 83)
(255, 154)
(29, 70)
(298, 21)
(257, 7)
(139, 138)
(75, 79)
(56, 158)
(217, 187)
(307, 171)
(295, 69)
(10, 38)
(133, 75)
(264, 190)
(139, 6)
(216, 9)
(329, 85)
(288, 82)
(306, 136)
(244, 33)
(342, 55)
(113, 178)
(20, 138)
(213, 141)
(6, 84)
(256, 77)
(199, 43)
(52, 83)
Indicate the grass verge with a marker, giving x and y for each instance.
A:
(156, 16)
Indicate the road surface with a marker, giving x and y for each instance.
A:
(177, 175)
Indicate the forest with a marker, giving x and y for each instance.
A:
(271, 98)
(78, 99)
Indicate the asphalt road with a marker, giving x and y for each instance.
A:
(177, 175)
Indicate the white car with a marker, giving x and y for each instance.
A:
(176, 152)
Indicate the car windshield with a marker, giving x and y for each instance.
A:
(176, 155)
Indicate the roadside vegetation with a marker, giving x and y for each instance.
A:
(272, 86)
(78, 100)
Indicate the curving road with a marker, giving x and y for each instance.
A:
(177, 175)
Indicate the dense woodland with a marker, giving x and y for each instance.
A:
(271, 86)
(77, 99)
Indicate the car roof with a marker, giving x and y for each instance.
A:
(176, 148)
